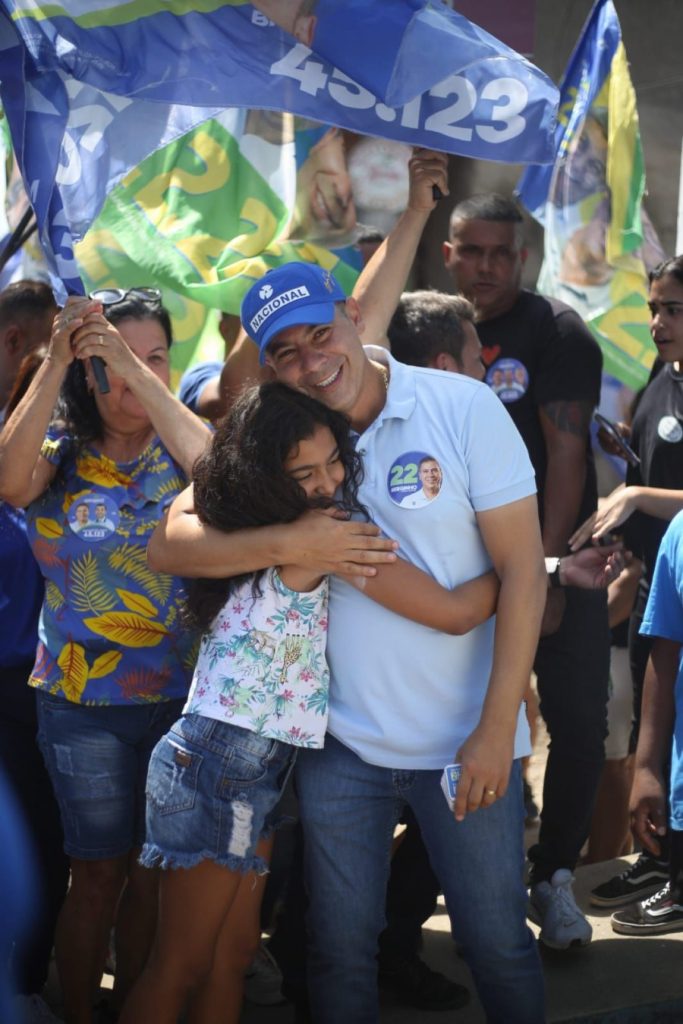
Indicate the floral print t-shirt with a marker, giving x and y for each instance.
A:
(262, 663)
(109, 630)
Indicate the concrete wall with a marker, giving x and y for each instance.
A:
(653, 33)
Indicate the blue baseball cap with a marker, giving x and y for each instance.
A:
(297, 293)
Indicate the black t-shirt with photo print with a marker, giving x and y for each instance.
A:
(541, 351)
(657, 437)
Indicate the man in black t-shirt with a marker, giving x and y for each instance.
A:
(544, 364)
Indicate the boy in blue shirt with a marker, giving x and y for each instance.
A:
(660, 742)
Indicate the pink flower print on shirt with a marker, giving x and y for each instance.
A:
(292, 615)
(306, 675)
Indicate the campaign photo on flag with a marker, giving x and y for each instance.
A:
(599, 243)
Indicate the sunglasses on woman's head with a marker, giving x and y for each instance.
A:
(112, 296)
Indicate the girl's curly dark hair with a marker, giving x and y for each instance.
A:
(240, 481)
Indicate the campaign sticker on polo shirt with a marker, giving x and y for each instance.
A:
(414, 480)
(669, 429)
(509, 379)
(93, 516)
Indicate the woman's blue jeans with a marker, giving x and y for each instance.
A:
(349, 809)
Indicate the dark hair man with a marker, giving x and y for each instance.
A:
(544, 364)
(432, 329)
(27, 309)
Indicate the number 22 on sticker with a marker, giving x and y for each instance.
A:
(404, 474)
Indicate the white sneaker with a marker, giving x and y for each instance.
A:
(34, 1010)
(263, 980)
(553, 907)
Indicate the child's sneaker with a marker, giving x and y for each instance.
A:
(658, 915)
(553, 907)
(641, 879)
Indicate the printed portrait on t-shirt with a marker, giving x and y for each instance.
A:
(509, 379)
(415, 480)
(93, 516)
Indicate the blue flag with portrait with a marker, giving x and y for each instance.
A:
(599, 242)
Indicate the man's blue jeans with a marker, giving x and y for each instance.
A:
(349, 809)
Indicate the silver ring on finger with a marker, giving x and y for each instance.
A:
(491, 793)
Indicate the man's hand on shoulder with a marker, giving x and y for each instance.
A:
(330, 545)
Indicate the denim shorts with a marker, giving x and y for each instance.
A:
(97, 761)
(212, 793)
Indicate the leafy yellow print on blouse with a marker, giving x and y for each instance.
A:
(105, 664)
(138, 603)
(49, 528)
(127, 629)
(88, 592)
(132, 561)
(101, 471)
(53, 596)
(72, 662)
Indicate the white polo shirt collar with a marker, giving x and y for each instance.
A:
(401, 395)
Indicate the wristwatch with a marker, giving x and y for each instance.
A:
(552, 567)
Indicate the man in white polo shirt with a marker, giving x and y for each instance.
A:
(407, 700)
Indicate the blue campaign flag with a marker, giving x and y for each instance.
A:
(91, 87)
(598, 241)
(588, 69)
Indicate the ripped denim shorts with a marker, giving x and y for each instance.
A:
(212, 793)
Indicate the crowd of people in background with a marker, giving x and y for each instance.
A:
(249, 627)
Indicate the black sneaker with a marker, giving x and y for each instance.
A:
(658, 915)
(416, 984)
(643, 878)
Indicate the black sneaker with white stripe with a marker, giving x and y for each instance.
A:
(658, 915)
(643, 878)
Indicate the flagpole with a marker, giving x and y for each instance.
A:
(20, 234)
(679, 223)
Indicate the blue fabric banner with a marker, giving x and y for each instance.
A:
(91, 87)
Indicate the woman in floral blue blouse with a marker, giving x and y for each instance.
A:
(95, 473)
